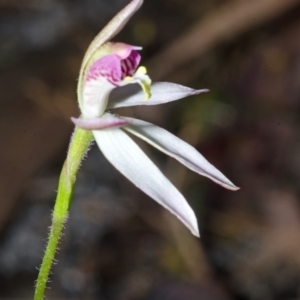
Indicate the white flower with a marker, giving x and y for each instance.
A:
(111, 67)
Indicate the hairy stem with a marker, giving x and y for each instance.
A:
(79, 144)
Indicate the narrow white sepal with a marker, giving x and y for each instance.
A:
(162, 92)
(132, 162)
(178, 149)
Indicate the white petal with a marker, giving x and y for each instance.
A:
(162, 92)
(95, 96)
(133, 163)
(178, 149)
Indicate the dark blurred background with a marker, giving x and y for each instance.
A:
(118, 243)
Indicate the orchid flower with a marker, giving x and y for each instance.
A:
(110, 77)
(112, 66)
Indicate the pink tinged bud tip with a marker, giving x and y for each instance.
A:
(123, 50)
(99, 123)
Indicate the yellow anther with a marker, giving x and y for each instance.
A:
(128, 78)
(142, 70)
(141, 77)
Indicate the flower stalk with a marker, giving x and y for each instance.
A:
(79, 145)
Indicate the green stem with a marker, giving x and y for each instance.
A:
(79, 144)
